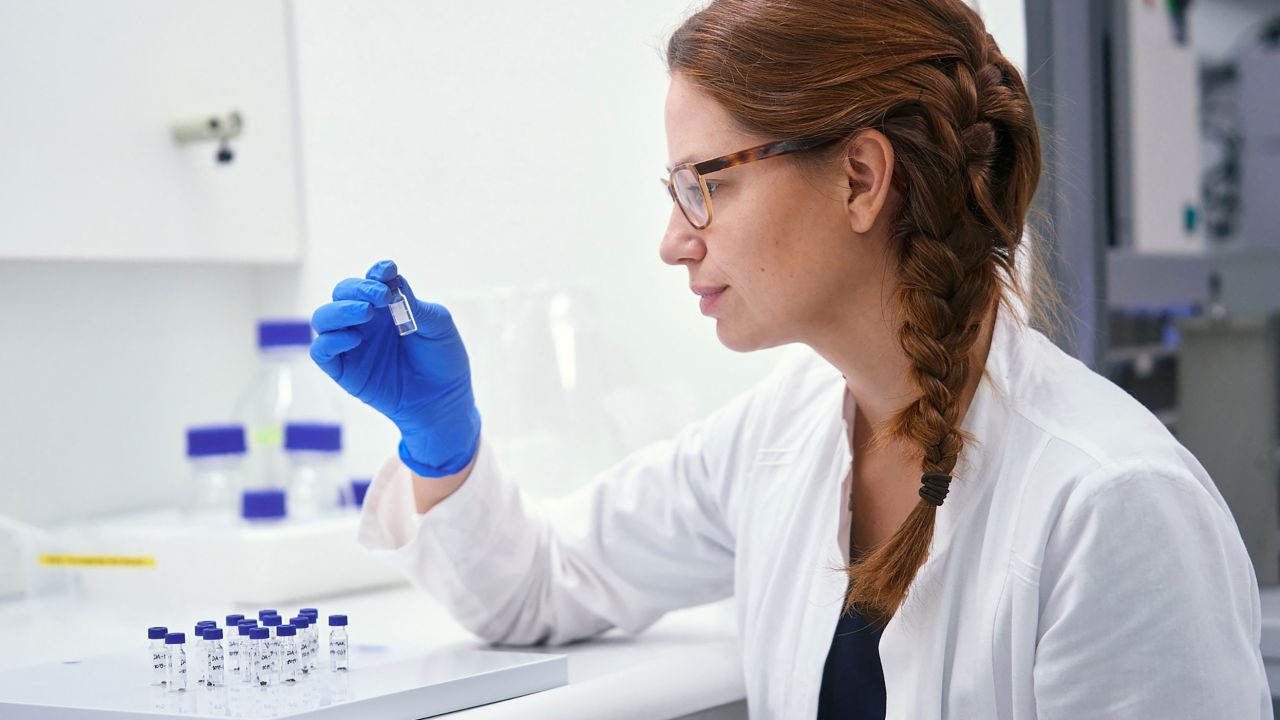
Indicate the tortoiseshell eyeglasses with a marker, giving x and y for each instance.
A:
(688, 187)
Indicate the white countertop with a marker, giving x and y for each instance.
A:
(687, 662)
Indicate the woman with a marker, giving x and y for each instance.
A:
(928, 510)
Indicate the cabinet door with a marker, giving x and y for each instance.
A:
(89, 92)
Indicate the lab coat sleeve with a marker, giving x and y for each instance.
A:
(1149, 607)
(649, 535)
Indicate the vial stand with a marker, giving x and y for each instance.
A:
(398, 303)
(214, 669)
(177, 661)
(159, 658)
(338, 642)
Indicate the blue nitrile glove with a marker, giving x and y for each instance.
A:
(421, 381)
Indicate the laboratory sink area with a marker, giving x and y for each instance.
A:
(685, 666)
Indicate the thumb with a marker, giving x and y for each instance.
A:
(434, 321)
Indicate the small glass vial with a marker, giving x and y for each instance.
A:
(176, 661)
(286, 638)
(312, 616)
(304, 643)
(214, 670)
(233, 645)
(198, 649)
(244, 629)
(159, 656)
(272, 623)
(398, 304)
(263, 656)
(338, 642)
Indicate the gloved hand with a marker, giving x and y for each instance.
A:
(421, 381)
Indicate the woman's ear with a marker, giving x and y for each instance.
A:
(868, 167)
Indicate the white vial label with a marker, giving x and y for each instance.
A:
(337, 652)
(159, 667)
(400, 313)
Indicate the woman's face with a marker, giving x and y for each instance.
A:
(782, 242)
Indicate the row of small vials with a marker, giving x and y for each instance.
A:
(257, 652)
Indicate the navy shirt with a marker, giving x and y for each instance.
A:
(852, 680)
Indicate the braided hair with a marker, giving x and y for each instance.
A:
(928, 76)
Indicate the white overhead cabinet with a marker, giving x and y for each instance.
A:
(90, 95)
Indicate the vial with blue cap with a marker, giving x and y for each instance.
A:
(197, 655)
(159, 655)
(338, 644)
(272, 623)
(263, 656)
(398, 304)
(176, 661)
(214, 669)
(245, 649)
(287, 644)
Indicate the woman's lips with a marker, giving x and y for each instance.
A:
(710, 298)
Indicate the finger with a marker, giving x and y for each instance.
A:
(382, 271)
(327, 349)
(434, 320)
(340, 315)
(369, 291)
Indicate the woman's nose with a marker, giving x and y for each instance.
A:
(681, 243)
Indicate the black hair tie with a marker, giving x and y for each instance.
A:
(934, 490)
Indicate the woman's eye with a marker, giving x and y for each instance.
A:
(711, 187)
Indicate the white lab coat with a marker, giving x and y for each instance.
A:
(1083, 565)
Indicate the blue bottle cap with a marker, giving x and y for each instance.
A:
(286, 631)
(337, 620)
(360, 488)
(395, 283)
(157, 633)
(281, 333)
(266, 611)
(213, 634)
(175, 639)
(248, 621)
(259, 633)
(300, 622)
(206, 623)
(308, 611)
(246, 630)
(325, 437)
(215, 440)
(233, 620)
(262, 504)
(272, 620)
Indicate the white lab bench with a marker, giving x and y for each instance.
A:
(687, 665)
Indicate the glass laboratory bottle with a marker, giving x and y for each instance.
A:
(316, 485)
(196, 656)
(176, 661)
(287, 385)
(338, 642)
(159, 655)
(214, 670)
(216, 455)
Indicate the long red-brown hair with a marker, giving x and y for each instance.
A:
(928, 75)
